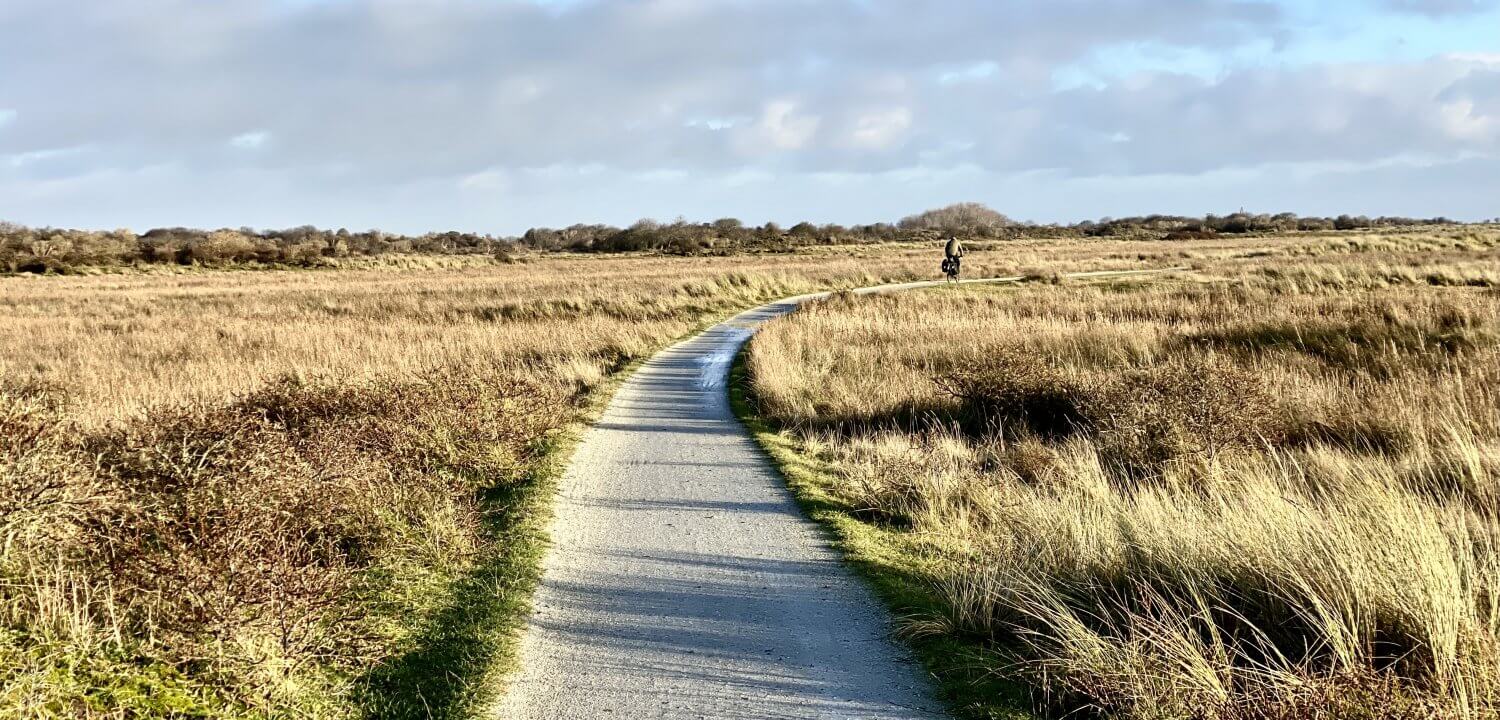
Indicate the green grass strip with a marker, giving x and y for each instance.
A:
(465, 646)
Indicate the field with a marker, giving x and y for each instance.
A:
(1257, 485)
(1263, 486)
(309, 492)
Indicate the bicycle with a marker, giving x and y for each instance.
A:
(951, 268)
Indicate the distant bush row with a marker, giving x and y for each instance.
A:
(971, 220)
(39, 250)
(42, 250)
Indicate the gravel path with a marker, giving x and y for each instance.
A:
(683, 582)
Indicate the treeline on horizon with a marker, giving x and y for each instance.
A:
(54, 250)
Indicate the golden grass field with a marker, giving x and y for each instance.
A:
(1265, 486)
(314, 493)
(235, 493)
(121, 343)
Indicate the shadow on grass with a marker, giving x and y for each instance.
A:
(970, 676)
(453, 669)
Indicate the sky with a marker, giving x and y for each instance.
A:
(493, 116)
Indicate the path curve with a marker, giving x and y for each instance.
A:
(683, 582)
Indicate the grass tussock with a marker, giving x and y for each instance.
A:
(1243, 499)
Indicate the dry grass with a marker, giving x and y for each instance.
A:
(240, 493)
(237, 493)
(121, 343)
(1265, 488)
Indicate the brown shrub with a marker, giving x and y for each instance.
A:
(1199, 407)
(35, 467)
(1141, 418)
(1015, 390)
(254, 517)
(221, 247)
(239, 537)
(231, 533)
(1177, 235)
(46, 487)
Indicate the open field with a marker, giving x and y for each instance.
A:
(1262, 487)
(318, 492)
(308, 493)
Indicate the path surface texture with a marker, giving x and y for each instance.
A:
(683, 582)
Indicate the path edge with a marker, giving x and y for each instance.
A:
(954, 670)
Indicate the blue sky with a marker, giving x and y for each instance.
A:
(498, 115)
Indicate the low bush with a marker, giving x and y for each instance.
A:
(1015, 390)
(1197, 408)
(241, 542)
(1140, 417)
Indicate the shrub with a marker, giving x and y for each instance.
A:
(967, 218)
(240, 542)
(221, 247)
(233, 537)
(1197, 408)
(1014, 391)
(46, 488)
(1141, 418)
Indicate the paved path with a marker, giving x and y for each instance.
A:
(684, 583)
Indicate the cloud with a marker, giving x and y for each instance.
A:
(1441, 108)
(1441, 8)
(250, 140)
(781, 127)
(881, 129)
(486, 181)
(397, 91)
(356, 101)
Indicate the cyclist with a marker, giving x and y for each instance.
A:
(953, 254)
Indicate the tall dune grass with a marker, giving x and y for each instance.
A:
(1266, 488)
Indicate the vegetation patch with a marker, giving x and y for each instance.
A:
(329, 501)
(1248, 498)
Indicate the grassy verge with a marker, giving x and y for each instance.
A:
(469, 638)
(966, 672)
(467, 641)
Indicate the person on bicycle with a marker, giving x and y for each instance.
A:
(953, 253)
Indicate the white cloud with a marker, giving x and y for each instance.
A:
(716, 123)
(783, 127)
(33, 157)
(253, 140)
(1460, 120)
(487, 181)
(1440, 8)
(881, 129)
(514, 97)
(973, 72)
(660, 176)
(1478, 58)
